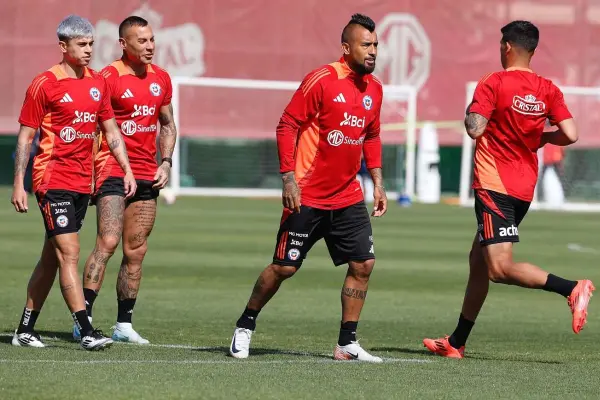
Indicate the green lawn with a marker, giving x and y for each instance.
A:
(205, 254)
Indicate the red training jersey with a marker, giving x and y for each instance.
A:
(136, 101)
(331, 120)
(66, 110)
(517, 103)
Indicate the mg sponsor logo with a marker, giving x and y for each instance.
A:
(337, 138)
(143, 111)
(83, 117)
(353, 121)
(69, 134)
(180, 49)
(404, 56)
(130, 127)
(528, 105)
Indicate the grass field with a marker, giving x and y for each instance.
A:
(205, 254)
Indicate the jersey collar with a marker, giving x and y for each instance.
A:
(519, 69)
(351, 74)
(60, 73)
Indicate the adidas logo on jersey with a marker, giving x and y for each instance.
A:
(127, 94)
(340, 98)
(66, 99)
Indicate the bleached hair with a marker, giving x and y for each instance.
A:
(73, 27)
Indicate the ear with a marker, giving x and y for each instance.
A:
(345, 48)
(508, 47)
(63, 46)
(122, 43)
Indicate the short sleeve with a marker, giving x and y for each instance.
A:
(35, 105)
(106, 111)
(558, 110)
(168, 89)
(484, 98)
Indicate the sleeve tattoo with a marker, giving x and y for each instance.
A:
(21, 159)
(475, 124)
(168, 132)
(377, 176)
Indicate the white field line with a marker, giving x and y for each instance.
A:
(198, 348)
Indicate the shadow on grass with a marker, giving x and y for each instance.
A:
(258, 352)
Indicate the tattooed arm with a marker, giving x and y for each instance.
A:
(379, 196)
(118, 150)
(291, 191)
(166, 140)
(475, 124)
(19, 196)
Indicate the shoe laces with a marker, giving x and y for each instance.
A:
(97, 334)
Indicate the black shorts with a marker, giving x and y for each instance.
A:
(63, 211)
(498, 216)
(347, 233)
(114, 186)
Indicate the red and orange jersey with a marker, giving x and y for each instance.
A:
(331, 120)
(136, 101)
(67, 111)
(517, 103)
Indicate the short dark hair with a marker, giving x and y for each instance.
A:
(522, 34)
(128, 22)
(357, 19)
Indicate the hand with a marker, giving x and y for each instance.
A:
(19, 199)
(161, 178)
(380, 203)
(544, 140)
(291, 192)
(130, 185)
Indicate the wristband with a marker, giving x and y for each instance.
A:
(167, 159)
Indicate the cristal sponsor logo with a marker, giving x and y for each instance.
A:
(353, 121)
(510, 231)
(143, 110)
(528, 105)
(336, 138)
(129, 127)
(296, 234)
(296, 243)
(84, 116)
(69, 134)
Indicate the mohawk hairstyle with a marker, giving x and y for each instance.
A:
(129, 22)
(357, 19)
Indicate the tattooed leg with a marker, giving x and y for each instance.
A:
(139, 221)
(67, 253)
(109, 216)
(268, 284)
(355, 288)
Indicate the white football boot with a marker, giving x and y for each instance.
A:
(124, 332)
(240, 343)
(354, 351)
(27, 339)
(76, 333)
(95, 341)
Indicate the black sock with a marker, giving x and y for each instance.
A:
(559, 285)
(248, 319)
(90, 296)
(125, 310)
(28, 319)
(459, 338)
(82, 322)
(347, 333)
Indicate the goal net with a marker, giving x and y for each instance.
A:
(569, 177)
(227, 144)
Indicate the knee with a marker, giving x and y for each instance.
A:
(498, 271)
(361, 269)
(68, 254)
(135, 252)
(108, 244)
(282, 272)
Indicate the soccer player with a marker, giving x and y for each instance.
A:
(506, 118)
(330, 120)
(140, 97)
(66, 103)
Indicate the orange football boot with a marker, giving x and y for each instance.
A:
(578, 301)
(443, 348)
